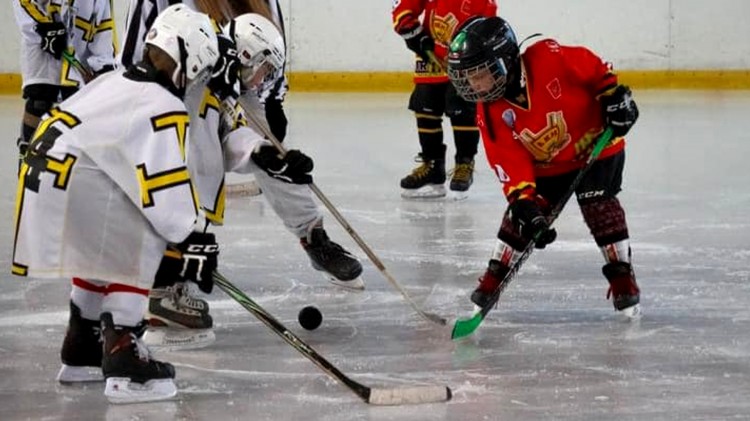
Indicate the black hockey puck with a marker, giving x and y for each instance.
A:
(310, 318)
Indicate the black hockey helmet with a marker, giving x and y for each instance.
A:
(483, 57)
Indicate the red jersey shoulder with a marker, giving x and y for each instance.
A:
(543, 50)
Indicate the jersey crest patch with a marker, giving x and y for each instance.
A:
(554, 88)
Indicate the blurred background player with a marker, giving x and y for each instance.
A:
(179, 317)
(540, 113)
(427, 26)
(83, 29)
(100, 198)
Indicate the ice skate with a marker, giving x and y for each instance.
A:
(340, 267)
(462, 178)
(178, 320)
(81, 352)
(623, 289)
(132, 375)
(489, 283)
(427, 181)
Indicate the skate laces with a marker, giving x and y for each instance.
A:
(462, 171)
(422, 171)
(182, 296)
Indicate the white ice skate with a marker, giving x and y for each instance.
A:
(69, 374)
(175, 338)
(631, 313)
(429, 191)
(121, 390)
(178, 320)
(356, 284)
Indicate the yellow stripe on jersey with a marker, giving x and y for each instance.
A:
(115, 43)
(216, 216)
(209, 101)
(55, 115)
(61, 169)
(88, 28)
(65, 79)
(18, 269)
(176, 120)
(33, 10)
(160, 181)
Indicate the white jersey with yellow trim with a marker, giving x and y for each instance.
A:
(220, 142)
(90, 29)
(105, 185)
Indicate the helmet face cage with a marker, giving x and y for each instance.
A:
(481, 59)
(260, 48)
(484, 82)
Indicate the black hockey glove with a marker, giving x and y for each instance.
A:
(527, 215)
(294, 168)
(620, 110)
(419, 41)
(54, 37)
(225, 78)
(276, 118)
(194, 260)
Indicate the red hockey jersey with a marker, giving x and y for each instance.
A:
(440, 18)
(556, 130)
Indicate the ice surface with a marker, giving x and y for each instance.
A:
(553, 350)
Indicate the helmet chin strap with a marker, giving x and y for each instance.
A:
(179, 77)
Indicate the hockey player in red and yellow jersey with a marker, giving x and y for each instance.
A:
(427, 26)
(539, 113)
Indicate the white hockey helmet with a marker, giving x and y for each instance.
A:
(189, 38)
(260, 46)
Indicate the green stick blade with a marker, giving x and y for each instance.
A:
(464, 328)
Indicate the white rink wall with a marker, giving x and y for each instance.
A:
(356, 35)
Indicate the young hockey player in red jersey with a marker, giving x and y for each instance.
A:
(539, 113)
(427, 26)
(100, 197)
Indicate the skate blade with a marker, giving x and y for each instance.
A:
(121, 390)
(247, 189)
(175, 339)
(459, 195)
(69, 374)
(356, 284)
(431, 191)
(631, 313)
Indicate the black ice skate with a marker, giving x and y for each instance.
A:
(81, 352)
(462, 178)
(132, 375)
(426, 181)
(178, 320)
(488, 283)
(622, 287)
(340, 266)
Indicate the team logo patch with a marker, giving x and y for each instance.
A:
(554, 88)
(509, 117)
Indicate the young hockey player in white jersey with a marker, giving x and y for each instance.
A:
(80, 30)
(103, 191)
(183, 319)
